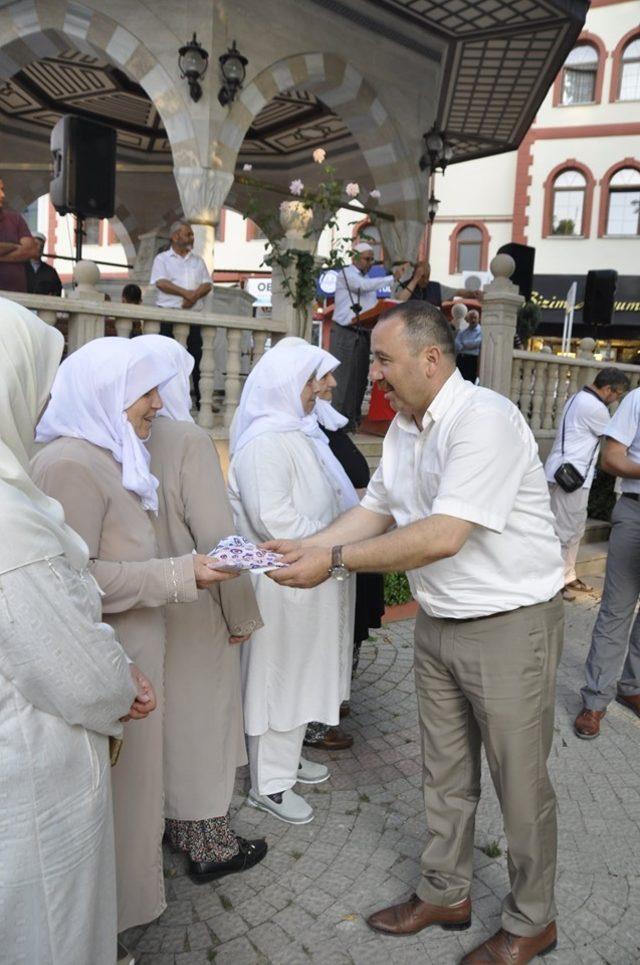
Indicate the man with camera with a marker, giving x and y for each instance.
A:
(571, 464)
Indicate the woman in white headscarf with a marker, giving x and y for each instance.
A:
(103, 402)
(283, 480)
(204, 733)
(64, 684)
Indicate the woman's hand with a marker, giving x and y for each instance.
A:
(206, 573)
(237, 639)
(145, 700)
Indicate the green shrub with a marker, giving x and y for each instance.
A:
(396, 589)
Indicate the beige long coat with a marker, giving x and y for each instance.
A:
(204, 730)
(136, 584)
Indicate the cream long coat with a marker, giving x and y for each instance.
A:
(298, 667)
(64, 683)
(204, 733)
(136, 584)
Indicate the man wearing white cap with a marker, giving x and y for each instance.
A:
(42, 278)
(350, 342)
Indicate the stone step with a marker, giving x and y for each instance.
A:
(592, 559)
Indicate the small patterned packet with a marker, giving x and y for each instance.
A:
(237, 553)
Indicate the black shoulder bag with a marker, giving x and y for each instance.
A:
(566, 475)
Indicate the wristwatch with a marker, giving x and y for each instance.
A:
(338, 570)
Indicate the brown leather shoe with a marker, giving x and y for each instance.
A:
(567, 595)
(335, 739)
(587, 723)
(345, 709)
(503, 948)
(414, 915)
(632, 701)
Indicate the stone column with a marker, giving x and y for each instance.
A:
(499, 314)
(401, 239)
(202, 194)
(84, 328)
(296, 221)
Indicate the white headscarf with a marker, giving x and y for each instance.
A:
(32, 525)
(176, 394)
(270, 402)
(327, 416)
(90, 393)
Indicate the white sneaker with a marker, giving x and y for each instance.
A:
(311, 773)
(293, 809)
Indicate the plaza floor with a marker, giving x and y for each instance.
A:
(307, 901)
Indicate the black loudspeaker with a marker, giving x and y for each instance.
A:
(524, 257)
(599, 297)
(84, 167)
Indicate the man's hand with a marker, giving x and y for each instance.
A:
(145, 701)
(310, 567)
(289, 549)
(205, 571)
(234, 640)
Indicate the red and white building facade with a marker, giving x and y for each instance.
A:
(572, 190)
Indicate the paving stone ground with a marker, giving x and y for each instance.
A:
(307, 901)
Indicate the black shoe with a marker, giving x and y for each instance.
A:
(250, 853)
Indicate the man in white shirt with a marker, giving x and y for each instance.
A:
(462, 481)
(468, 344)
(350, 342)
(182, 278)
(585, 418)
(611, 643)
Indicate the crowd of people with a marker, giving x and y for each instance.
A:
(137, 672)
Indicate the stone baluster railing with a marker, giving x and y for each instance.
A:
(84, 311)
(541, 383)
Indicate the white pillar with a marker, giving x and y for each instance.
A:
(84, 328)
(203, 192)
(499, 315)
(296, 221)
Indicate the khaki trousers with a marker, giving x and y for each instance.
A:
(570, 521)
(490, 682)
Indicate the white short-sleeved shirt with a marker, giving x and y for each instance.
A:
(186, 271)
(585, 418)
(476, 459)
(352, 286)
(624, 427)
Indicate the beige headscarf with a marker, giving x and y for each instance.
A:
(32, 525)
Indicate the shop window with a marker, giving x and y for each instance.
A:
(623, 207)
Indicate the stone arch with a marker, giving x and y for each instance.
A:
(343, 89)
(32, 31)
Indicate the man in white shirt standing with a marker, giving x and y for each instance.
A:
(461, 480)
(585, 418)
(611, 643)
(351, 342)
(183, 281)
(182, 278)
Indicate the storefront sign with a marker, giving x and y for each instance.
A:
(550, 295)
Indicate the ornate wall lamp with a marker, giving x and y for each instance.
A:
(233, 69)
(193, 61)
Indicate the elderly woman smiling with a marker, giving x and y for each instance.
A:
(103, 403)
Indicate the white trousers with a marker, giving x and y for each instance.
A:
(570, 515)
(274, 758)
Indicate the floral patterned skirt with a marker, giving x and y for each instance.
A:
(210, 839)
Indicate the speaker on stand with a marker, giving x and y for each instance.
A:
(599, 298)
(84, 171)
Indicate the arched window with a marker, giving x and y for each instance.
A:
(623, 209)
(579, 75)
(567, 210)
(630, 73)
(469, 249)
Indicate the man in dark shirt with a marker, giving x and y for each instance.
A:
(42, 278)
(16, 248)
